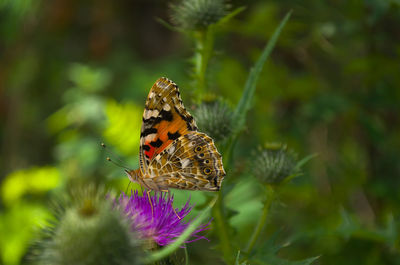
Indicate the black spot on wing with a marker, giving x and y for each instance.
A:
(163, 116)
(157, 143)
(166, 115)
(146, 147)
(148, 131)
(173, 136)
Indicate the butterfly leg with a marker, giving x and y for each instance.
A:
(167, 191)
(151, 203)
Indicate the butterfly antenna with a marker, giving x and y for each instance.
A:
(127, 187)
(119, 162)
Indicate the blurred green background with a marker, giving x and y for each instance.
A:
(74, 74)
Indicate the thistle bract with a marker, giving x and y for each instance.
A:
(198, 14)
(89, 231)
(215, 119)
(273, 163)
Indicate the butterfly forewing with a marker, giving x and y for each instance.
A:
(164, 120)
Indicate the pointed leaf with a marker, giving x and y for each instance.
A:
(250, 86)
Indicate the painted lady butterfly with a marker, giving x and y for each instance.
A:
(173, 154)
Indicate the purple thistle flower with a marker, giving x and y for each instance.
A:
(161, 224)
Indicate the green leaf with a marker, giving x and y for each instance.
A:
(267, 254)
(237, 261)
(248, 94)
(303, 161)
(278, 261)
(244, 105)
(169, 26)
(231, 15)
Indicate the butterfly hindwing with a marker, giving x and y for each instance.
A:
(164, 120)
(190, 162)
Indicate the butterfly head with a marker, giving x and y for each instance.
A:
(133, 175)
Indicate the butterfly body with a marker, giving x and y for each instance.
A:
(173, 154)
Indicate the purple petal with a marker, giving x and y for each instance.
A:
(162, 223)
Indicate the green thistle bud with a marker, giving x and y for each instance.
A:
(198, 14)
(90, 231)
(215, 119)
(273, 163)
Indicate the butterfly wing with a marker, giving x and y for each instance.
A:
(191, 162)
(172, 153)
(165, 119)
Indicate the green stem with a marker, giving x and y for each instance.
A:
(186, 255)
(204, 49)
(222, 231)
(261, 222)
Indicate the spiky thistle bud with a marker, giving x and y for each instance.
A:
(273, 163)
(198, 14)
(215, 119)
(90, 231)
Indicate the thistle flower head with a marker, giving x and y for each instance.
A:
(215, 119)
(198, 14)
(154, 217)
(273, 163)
(89, 231)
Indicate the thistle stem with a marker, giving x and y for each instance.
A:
(186, 255)
(263, 218)
(204, 49)
(222, 231)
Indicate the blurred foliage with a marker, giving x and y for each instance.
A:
(18, 228)
(74, 74)
(31, 181)
(123, 129)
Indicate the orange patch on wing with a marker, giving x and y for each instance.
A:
(163, 128)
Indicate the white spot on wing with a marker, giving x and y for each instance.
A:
(150, 113)
(146, 114)
(167, 107)
(185, 162)
(150, 137)
(171, 150)
(155, 113)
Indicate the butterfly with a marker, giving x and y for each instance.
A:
(173, 153)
